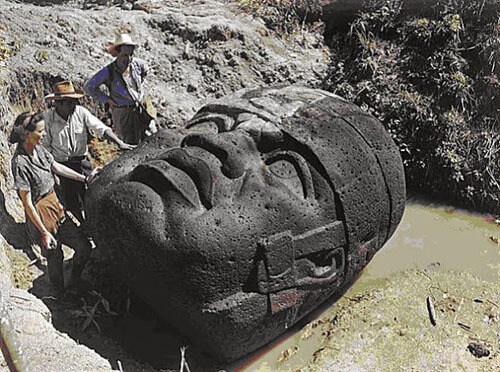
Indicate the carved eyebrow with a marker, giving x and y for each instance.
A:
(300, 164)
(156, 175)
(200, 141)
(233, 165)
(196, 169)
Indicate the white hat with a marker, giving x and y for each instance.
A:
(122, 39)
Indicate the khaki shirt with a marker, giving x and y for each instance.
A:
(69, 138)
(33, 173)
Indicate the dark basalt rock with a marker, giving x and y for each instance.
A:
(266, 204)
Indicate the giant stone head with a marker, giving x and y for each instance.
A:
(268, 202)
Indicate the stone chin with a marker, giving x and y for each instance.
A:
(235, 228)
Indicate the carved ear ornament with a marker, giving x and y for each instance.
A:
(314, 259)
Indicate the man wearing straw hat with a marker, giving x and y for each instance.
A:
(67, 130)
(131, 111)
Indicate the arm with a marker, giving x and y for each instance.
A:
(48, 240)
(145, 71)
(64, 171)
(142, 68)
(109, 134)
(94, 124)
(93, 86)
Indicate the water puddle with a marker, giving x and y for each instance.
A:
(451, 238)
(429, 238)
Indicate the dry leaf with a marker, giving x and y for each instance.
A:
(288, 353)
(105, 303)
(495, 240)
(307, 331)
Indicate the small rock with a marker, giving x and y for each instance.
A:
(478, 350)
(244, 55)
(127, 6)
(432, 267)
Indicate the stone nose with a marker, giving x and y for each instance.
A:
(235, 150)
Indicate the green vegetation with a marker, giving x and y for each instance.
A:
(433, 80)
(281, 16)
(42, 55)
(7, 49)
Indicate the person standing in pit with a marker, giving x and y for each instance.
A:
(67, 127)
(48, 226)
(132, 113)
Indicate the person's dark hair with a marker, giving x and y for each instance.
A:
(25, 121)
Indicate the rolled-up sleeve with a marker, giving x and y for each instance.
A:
(143, 68)
(93, 86)
(92, 122)
(21, 179)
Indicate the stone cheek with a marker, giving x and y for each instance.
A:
(235, 235)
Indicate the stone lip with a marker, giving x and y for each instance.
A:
(236, 272)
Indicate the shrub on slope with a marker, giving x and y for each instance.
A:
(433, 80)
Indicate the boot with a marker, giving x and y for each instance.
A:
(55, 267)
(76, 271)
(77, 284)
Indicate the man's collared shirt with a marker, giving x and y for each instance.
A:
(120, 90)
(65, 139)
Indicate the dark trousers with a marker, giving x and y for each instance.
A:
(73, 192)
(65, 232)
(130, 123)
(68, 234)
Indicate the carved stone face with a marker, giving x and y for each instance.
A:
(238, 226)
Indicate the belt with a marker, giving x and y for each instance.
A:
(132, 105)
(74, 159)
(44, 195)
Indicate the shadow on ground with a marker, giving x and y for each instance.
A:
(103, 315)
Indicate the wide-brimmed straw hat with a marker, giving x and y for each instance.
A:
(121, 39)
(65, 89)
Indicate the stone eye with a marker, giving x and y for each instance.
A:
(293, 171)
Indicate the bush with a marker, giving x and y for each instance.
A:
(284, 16)
(433, 82)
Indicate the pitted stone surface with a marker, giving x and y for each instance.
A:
(269, 202)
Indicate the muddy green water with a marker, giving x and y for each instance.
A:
(430, 237)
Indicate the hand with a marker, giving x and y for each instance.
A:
(111, 103)
(126, 146)
(48, 241)
(91, 177)
(152, 128)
